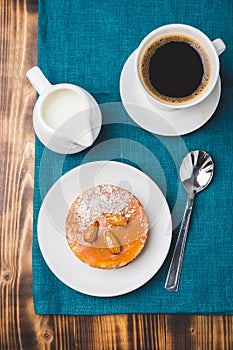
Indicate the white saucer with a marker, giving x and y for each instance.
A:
(157, 121)
(52, 237)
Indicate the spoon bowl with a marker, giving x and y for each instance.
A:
(196, 172)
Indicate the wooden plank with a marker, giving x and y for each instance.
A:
(18, 35)
(20, 328)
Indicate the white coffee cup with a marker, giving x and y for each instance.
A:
(212, 48)
(62, 115)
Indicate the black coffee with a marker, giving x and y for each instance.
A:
(175, 68)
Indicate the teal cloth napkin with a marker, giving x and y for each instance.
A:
(87, 43)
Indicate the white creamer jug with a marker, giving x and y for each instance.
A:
(62, 114)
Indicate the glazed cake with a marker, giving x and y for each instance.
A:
(106, 227)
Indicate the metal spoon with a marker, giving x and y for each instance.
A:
(196, 172)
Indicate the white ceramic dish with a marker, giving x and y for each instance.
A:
(162, 122)
(59, 257)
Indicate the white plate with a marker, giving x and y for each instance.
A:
(59, 257)
(154, 120)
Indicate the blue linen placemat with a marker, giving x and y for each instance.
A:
(87, 43)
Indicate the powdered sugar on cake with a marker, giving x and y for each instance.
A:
(98, 200)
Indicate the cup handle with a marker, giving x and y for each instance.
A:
(38, 80)
(219, 46)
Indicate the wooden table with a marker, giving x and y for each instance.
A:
(20, 328)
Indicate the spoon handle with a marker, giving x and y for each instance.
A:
(173, 275)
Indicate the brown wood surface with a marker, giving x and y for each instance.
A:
(20, 328)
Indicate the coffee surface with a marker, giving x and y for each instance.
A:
(175, 69)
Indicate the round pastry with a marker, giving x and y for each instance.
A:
(106, 227)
